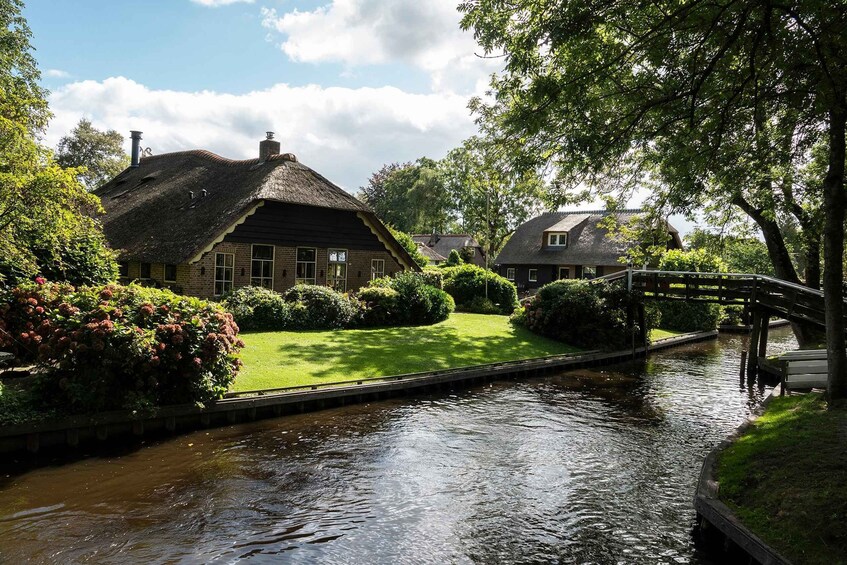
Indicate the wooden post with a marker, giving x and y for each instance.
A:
(743, 363)
(752, 360)
(763, 336)
(642, 324)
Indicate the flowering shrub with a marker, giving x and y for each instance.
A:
(581, 313)
(116, 347)
(257, 308)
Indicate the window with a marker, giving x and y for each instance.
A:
(170, 273)
(224, 267)
(589, 272)
(557, 239)
(533, 274)
(123, 269)
(306, 263)
(377, 268)
(145, 271)
(510, 273)
(262, 266)
(564, 273)
(336, 272)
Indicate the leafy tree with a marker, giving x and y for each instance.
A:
(741, 254)
(491, 197)
(99, 155)
(410, 246)
(44, 221)
(410, 196)
(716, 102)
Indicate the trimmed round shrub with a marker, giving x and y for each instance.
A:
(588, 314)
(419, 303)
(481, 305)
(258, 308)
(467, 283)
(380, 306)
(123, 347)
(314, 307)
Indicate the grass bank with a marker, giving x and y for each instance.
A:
(786, 479)
(658, 333)
(279, 359)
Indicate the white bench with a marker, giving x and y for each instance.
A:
(804, 373)
(804, 355)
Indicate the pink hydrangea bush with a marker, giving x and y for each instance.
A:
(116, 346)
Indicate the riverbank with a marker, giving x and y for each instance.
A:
(78, 430)
(784, 478)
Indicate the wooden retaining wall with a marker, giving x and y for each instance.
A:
(713, 516)
(76, 431)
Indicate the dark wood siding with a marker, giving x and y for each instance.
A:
(293, 225)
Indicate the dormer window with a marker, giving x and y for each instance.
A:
(557, 239)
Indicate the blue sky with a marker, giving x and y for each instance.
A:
(347, 85)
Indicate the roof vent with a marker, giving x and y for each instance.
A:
(268, 147)
(203, 193)
(136, 148)
(191, 195)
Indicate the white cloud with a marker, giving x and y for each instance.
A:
(345, 134)
(216, 3)
(425, 35)
(57, 73)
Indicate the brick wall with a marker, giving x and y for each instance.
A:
(198, 279)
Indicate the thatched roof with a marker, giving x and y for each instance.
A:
(588, 243)
(151, 216)
(430, 253)
(444, 243)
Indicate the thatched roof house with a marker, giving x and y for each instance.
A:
(558, 245)
(206, 224)
(437, 247)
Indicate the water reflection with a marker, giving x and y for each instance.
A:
(588, 466)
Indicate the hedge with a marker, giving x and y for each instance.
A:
(586, 314)
(467, 285)
(120, 347)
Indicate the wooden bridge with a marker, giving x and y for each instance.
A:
(764, 297)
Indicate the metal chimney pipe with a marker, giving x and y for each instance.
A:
(136, 148)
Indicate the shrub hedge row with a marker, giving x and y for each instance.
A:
(406, 299)
(479, 290)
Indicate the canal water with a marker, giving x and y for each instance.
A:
(591, 466)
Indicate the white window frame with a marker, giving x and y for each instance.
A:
(510, 273)
(377, 272)
(532, 275)
(555, 239)
(593, 268)
(331, 280)
(165, 272)
(262, 279)
(298, 262)
(226, 285)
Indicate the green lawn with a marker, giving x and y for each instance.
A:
(279, 359)
(786, 479)
(657, 334)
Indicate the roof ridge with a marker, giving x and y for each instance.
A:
(599, 212)
(206, 154)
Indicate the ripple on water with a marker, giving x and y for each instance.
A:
(591, 467)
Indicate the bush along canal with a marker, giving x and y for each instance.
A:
(588, 465)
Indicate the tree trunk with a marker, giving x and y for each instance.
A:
(834, 204)
(813, 264)
(780, 258)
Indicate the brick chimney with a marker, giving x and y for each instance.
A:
(268, 147)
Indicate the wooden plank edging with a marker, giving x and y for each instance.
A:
(709, 507)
